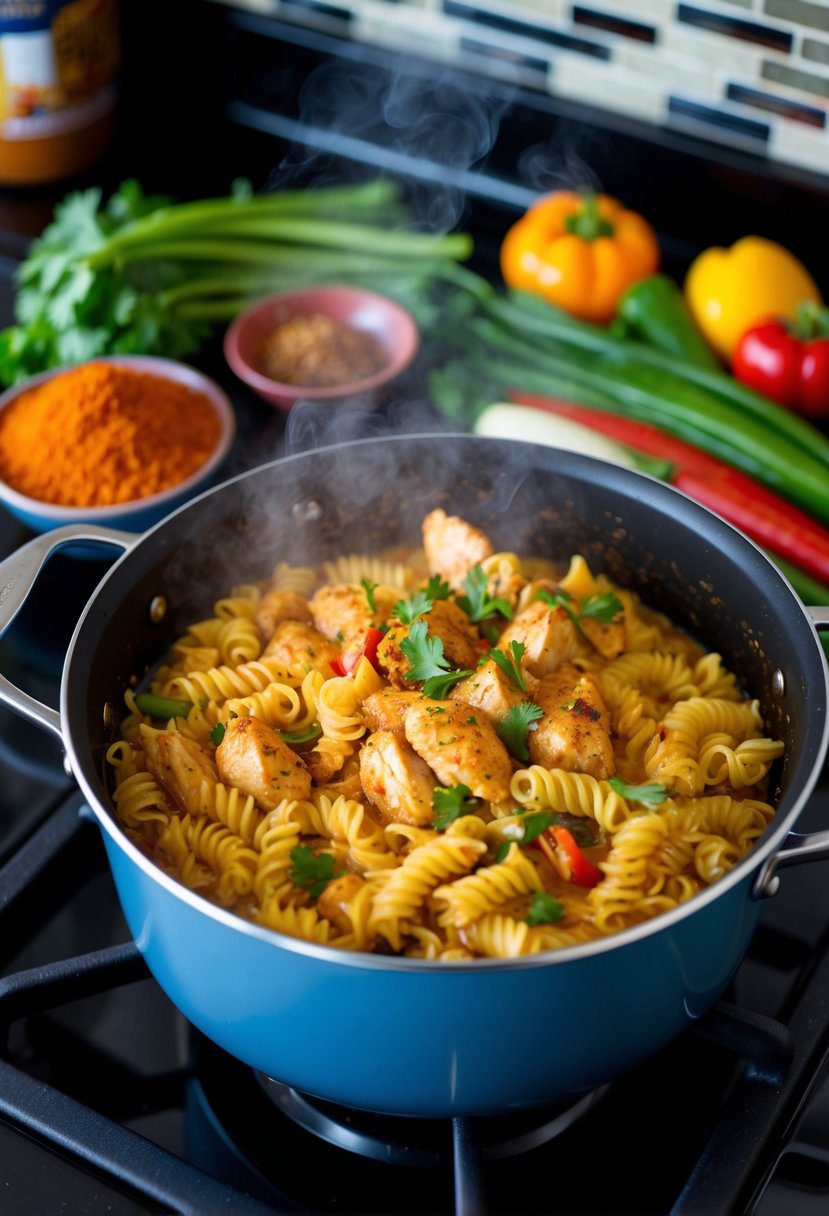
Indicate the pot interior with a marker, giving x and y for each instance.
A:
(367, 495)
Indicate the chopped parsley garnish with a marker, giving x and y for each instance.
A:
(409, 610)
(478, 604)
(510, 663)
(428, 663)
(217, 733)
(515, 726)
(603, 608)
(311, 871)
(543, 910)
(648, 795)
(368, 587)
(451, 803)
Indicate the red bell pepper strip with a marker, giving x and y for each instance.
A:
(788, 361)
(362, 647)
(768, 519)
(560, 840)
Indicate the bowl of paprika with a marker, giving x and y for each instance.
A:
(118, 440)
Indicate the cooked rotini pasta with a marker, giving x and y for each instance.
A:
(448, 753)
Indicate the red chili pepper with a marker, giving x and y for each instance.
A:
(788, 360)
(559, 839)
(364, 647)
(768, 519)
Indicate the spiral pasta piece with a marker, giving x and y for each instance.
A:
(466, 899)
(222, 682)
(570, 793)
(140, 800)
(420, 872)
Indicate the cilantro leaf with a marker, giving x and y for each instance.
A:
(543, 910)
(515, 726)
(524, 830)
(478, 604)
(603, 608)
(438, 687)
(409, 610)
(428, 663)
(451, 803)
(437, 589)
(510, 663)
(312, 871)
(647, 795)
(368, 586)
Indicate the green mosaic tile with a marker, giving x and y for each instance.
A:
(818, 52)
(815, 16)
(808, 82)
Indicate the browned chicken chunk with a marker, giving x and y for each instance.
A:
(396, 779)
(453, 547)
(460, 746)
(549, 637)
(257, 761)
(342, 610)
(296, 644)
(386, 709)
(276, 606)
(491, 690)
(445, 621)
(574, 733)
(179, 764)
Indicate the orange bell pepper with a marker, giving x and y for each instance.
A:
(579, 252)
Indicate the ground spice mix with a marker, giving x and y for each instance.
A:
(317, 351)
(101, 434)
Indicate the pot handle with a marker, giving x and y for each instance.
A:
(798, 847)
(18, 574)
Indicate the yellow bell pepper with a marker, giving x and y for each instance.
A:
(730, 290)
(579, 252)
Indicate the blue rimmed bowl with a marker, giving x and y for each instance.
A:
(139, 514)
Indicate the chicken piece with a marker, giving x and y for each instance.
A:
(342, 610)
(574, 733)
(453, 547)
(276, 606)
(610, 640)
(386, 709)
(296, 644)
(179, 764)
(396, 779)
(492, 691)
(461, 747)
(336, 896)
(257, 761)
(445, 620)
(549, 636)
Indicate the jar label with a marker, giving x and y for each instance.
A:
(58, 62)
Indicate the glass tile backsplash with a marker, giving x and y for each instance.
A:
(752, 74)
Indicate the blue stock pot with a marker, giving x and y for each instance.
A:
(409, 1036)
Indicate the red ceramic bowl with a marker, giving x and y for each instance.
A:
(391, 325)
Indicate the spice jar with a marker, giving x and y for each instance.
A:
(58, 66)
